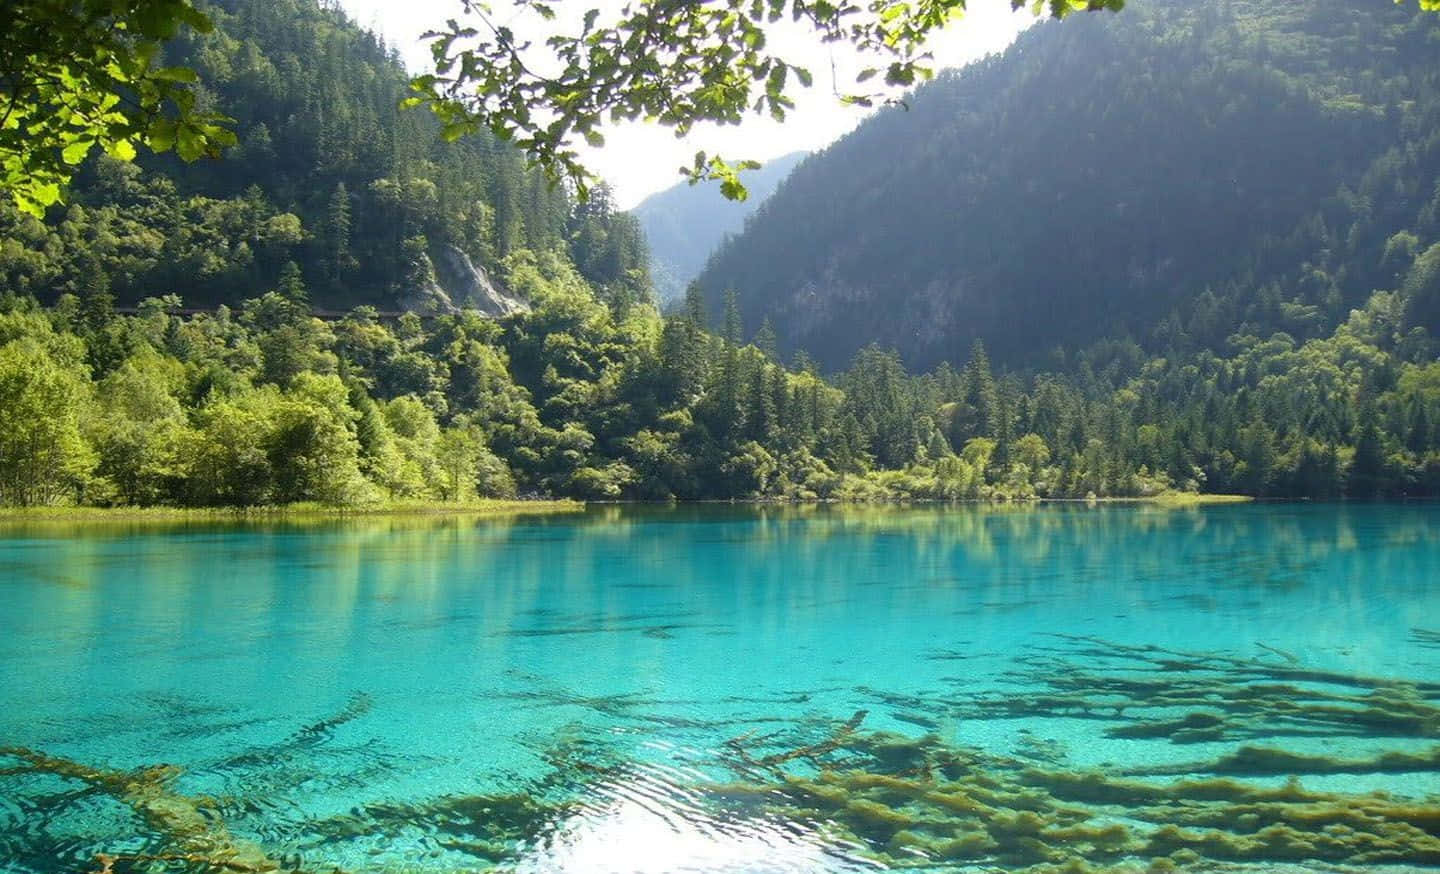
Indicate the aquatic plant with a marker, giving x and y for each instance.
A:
(190, 835)
(918, 802)
(1187, 697)
(896, 800)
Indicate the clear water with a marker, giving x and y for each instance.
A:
(564, 693)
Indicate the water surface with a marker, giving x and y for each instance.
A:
(723, 689)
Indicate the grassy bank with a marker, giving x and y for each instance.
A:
(1167, 499)
(289, 511)
(1191, 499)
(468, 508)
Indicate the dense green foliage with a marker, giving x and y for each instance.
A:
(269, 404)
(582, 389)
(77, 76)
(1172, 174)
(368, 200)
(685, 223)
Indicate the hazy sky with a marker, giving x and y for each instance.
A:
(639, 159)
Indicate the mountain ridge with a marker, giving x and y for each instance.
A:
(1097, 179)
(684, 223)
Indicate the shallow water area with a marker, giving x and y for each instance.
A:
(736, 689)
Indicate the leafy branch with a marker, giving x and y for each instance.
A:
(77, 76)
(674, 62)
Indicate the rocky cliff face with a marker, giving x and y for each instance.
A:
(456, 283)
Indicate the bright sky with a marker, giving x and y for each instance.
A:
(639, 159)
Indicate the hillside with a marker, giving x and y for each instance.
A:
(330, 174)
(1274, 244)
(685, 223)
(1173, 174)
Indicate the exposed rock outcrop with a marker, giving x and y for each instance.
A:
(456, 283)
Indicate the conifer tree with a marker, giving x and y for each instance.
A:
(337, 232)
(766, 341)
(292, 285)
(734, 327)
(97, 301)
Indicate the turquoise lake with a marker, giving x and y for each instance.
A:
(727, 689)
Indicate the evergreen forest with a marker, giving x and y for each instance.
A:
(349, 309)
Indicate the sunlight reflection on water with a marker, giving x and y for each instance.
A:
(646, 822)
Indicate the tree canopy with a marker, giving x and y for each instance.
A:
(335, 198)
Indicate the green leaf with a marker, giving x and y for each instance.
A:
(28, 206)
(121, 150)
(161, 136)
(732, 189)
(189, 145)
(219, 136)
(594, 138)
(175, 74)
(76, 151)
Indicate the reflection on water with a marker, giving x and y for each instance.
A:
(655, 819)
(725, 689)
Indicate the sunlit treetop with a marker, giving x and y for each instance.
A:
(80, 75)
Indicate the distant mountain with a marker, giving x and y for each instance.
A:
(1174, 173)
(684, 224)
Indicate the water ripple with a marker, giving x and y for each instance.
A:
(654, 818)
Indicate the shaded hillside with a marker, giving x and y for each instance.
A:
(685, 223)
(365, 198)
(1171, 173)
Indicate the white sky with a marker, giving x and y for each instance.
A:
(639, 159)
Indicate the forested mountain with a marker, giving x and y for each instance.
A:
(1177, 173)
(1290, 339)
(685, 223)
(330, 174)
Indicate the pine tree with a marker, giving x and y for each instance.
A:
(337, 233)
(760, 406)
(292, 285)
(695, 306)
(766, 341)
(780, 400)
(97, 301)
(1368, 468)
(728, 403)
(734, 327)
(980, 391)
(1419, 428)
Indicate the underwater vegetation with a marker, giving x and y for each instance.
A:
(916, 802)
(1250, 799)
(1153, 692)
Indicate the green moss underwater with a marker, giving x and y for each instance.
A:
(917, 802)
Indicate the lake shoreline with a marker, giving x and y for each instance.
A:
(513, 507)
(1179, 499)
(282, 513)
